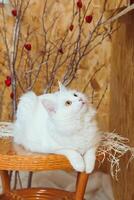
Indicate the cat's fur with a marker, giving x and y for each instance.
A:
(48, 124)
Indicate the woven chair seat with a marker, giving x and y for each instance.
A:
(39, 194)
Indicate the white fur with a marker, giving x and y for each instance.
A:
(46, 124)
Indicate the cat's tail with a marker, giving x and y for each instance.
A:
(26, 106)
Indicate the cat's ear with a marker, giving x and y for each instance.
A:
(62, 88)
(49, 105)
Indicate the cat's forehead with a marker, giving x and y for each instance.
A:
(71, 94)
(75, 92)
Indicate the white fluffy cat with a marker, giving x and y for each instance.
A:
(60, 123)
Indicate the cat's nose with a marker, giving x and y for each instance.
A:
(80, 99)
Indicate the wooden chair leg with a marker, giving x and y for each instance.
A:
(81, 183)
(5, 181)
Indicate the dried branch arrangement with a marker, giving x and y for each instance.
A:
(37, 56)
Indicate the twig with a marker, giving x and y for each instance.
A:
(93, 75)
(120, 14)
(102, 97)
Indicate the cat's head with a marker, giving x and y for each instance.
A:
(65, 103)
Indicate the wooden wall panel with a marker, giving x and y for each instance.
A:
(122, 99)
(113, 4)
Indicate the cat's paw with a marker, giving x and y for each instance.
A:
(75, 159)
(79, 166)
(90, 159)
(77, 162)
(90, 167)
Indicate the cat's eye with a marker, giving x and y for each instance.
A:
(68, 103)
(75, 95)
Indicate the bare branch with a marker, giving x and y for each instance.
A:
(102, 97)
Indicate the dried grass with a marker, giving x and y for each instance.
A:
(112, 148)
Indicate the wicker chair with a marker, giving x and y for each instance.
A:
(15, 158)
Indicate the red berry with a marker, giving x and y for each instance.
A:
(9, 77)
(11, 95)
(79, 4)
(42, 52)
(1, 5)
(8, 81)
(89, 18)
(71, 27)
(14, 12)
(61, 51)
(131, 1)
(28, 46)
